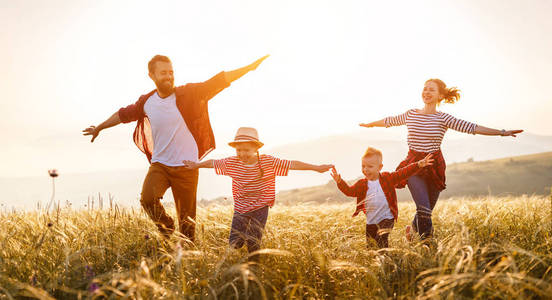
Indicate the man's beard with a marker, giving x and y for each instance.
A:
(165, 87)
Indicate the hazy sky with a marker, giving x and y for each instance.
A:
(66, 65)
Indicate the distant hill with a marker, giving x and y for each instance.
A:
(527, 174)
(342, 150)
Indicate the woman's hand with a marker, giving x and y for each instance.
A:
(511, 132)
(427, 161)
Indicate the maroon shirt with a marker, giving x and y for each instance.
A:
(387, 180)
(191, 101)
(434, 174)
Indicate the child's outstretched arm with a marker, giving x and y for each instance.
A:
(411, 169)
(188, 164)
(299, 165)
(341, 184)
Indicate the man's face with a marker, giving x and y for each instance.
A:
(163, 76)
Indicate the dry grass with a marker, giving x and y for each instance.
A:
(483, 248)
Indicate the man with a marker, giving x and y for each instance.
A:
(172, 126)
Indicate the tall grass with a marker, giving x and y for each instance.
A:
(483, 248)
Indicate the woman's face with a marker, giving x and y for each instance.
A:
(431, 94)
(247, 153)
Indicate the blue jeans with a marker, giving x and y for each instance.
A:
(248, 229)
(380, 232)
(425, 196)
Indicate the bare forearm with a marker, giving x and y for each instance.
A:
(379, 123)
(110, 122)
(205, 164)
(237, 73)
(299, 165)
(487, 131)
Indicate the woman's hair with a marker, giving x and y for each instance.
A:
(450, 95)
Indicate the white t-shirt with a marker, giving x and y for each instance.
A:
(377, 208)
(172, 140)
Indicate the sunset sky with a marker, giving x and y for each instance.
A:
(70, 64)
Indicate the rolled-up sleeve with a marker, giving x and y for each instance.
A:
(129, 113)
(210, 88)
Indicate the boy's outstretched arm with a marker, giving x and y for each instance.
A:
(299, 165)
(341, 184)
(188, 164)
(411, 169)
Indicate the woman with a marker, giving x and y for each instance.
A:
(426, 128)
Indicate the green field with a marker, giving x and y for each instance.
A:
(483, 248)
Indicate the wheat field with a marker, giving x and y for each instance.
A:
(483, 248)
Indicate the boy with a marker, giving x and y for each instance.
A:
(376, 194)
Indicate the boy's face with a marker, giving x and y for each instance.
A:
(371, 166)
(247, 153)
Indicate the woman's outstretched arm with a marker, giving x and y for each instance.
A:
(379, 123)
(490, 131)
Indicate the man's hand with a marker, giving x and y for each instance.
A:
(190, 165)
(427, 161)
(336, 177)
(254, 65)
(93, 131)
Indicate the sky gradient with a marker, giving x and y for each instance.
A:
(70, 64)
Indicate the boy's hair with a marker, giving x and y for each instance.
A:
(371, 152)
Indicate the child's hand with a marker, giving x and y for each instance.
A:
(190, 165)
(336, 177)
(427, 161)
(323, 168)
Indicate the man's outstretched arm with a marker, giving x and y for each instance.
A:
(236, 74)
(95, 130)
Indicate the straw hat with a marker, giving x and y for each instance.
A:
(246, 135)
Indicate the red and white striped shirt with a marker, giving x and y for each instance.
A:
(426, 131)
(249, 190)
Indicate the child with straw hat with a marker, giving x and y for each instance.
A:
(253, 185)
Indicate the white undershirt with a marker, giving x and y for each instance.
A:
(377, 208)
(172, 140)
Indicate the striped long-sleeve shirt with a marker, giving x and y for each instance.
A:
(426, 131)
(249, 189)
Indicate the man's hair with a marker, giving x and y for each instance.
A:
(371, 152)
(151, 64)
